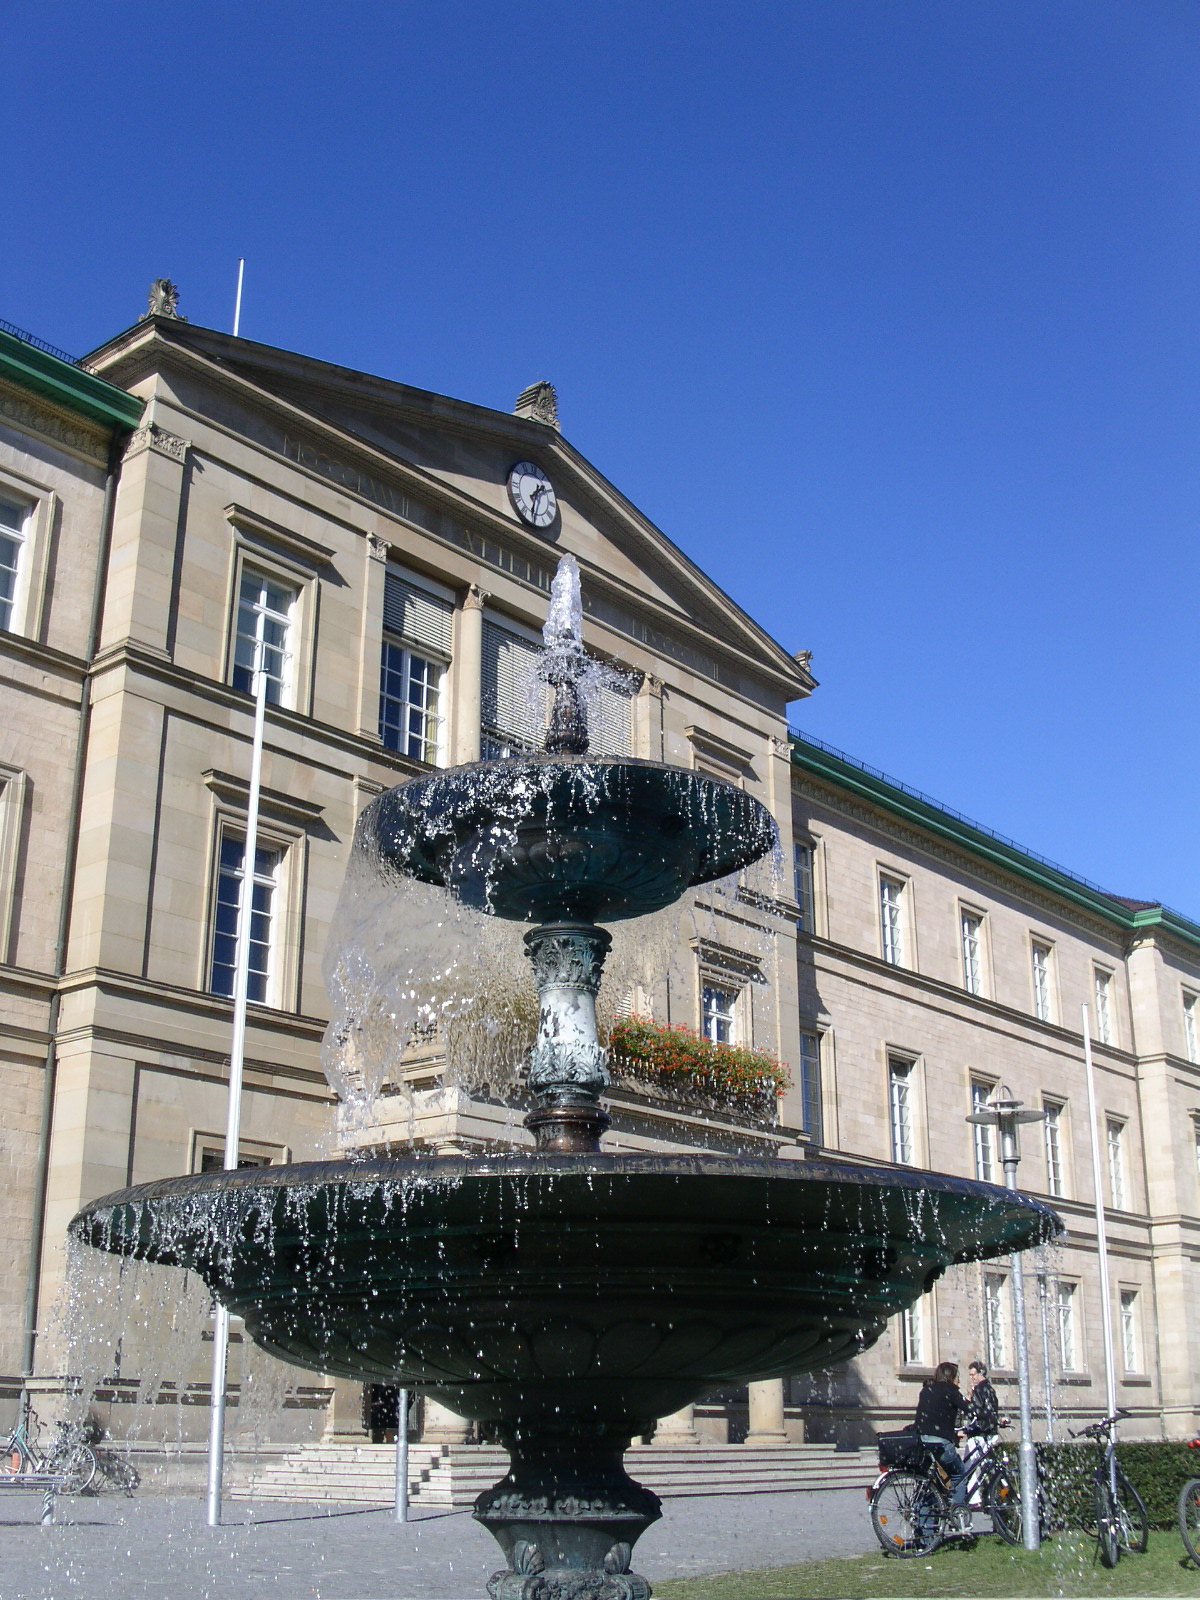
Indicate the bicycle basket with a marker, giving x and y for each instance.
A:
(902, 1450)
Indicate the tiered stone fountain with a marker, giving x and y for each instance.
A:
(568, 1296)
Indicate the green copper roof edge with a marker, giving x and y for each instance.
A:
(67, 386)
(975, 842)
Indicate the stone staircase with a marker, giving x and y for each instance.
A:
(452, 1475)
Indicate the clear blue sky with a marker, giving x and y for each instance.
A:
(887, 313)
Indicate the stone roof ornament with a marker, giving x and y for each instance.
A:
(540, 402)
(164, 301)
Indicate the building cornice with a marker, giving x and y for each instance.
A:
(68, 388)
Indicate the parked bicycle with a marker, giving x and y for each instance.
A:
(1189, 1512)
(68, 1457)
(1121, 1521)
(911, 1509)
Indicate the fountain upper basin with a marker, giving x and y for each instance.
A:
(616, 1289)
(544, 838)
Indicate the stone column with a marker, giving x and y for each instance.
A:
(468, 678)
(678, 1428)
(370, 646)
(766, 1412)
(442, 1426)
(344, 1417)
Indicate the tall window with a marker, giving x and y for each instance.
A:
(1129, 1330)
(265, 611)
(900, 1091)
(230, 881)
(985, 1166)
(1068, 1348)
(1104, 1027)
(912, 1336)
(891, 920)
(14, 519)
(1041, 981)
(1054, 1158)
(416, 648)
(718, 1013)
(1190, 1039)
(995, 1322)
(803, 874)
(972, 952)
(1116, 1163)
(810, 1083)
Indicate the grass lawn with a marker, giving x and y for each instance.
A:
(1066, 1565)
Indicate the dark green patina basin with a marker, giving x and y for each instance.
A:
(610, 1291)
(544, 838)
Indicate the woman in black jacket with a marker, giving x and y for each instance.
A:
(939, 1408)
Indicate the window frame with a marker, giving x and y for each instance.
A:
(811, 1084)
(263, 613)
(983, 1139)
(1102, 988)
(1191, 1026)
(804, 883)
(711, 984)
(1068, 1300)
(273, 880)
(1117, 1166)
(902, 1068)
(441, 719)
(912, 1321)
(291, 843)
(893, 930)
(974, 967)
(1129, 1317)
(1055, 1123)
(998, 1360)
(257, 1152)
(1043, 995)
(31, 588)
(259, 556)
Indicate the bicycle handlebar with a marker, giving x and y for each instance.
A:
(1106, 1425)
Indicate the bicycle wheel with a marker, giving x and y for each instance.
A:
(76, 1465)
(1189, 1518)
(1133, 1526)
(1106, 1527)
(906, 1513)
(1003, 1504)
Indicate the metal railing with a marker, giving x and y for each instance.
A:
(38, 344)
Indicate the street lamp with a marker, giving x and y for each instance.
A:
(1006, 1115)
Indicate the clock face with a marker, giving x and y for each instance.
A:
(532, 495)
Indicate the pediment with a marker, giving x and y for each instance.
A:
(468, 451)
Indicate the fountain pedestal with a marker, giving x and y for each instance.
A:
(567, 1516)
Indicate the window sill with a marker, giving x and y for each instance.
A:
(1138, 1380)
(1074, 1380)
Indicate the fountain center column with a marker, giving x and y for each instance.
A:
(568, 1066)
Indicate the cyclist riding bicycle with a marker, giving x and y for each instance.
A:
(939, 1410)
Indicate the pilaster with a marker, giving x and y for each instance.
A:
(766, 1413)
(146, 528)
(468, 678)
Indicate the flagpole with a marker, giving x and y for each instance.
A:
(1110, 1377)
(237, 1054)
(237, 309)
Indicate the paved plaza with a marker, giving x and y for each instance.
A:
(155, 1548)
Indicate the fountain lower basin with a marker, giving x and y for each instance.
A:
(610, 1292)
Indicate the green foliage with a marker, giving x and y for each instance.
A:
(678, 1059)
(1157, 1469)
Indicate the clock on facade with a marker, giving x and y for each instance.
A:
(532, 495)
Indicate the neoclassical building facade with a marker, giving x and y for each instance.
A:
(392, 550)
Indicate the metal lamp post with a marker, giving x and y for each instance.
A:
(1006, 1115)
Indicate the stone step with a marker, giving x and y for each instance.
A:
(452, 1476)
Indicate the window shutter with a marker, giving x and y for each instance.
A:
(508, 665)
(610, 723)
(417, 617)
